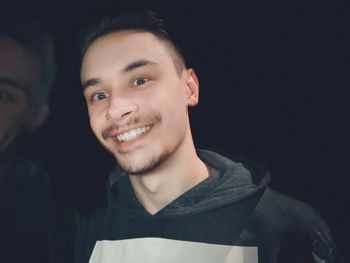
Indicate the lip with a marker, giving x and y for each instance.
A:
(114, 135)
(124, 130)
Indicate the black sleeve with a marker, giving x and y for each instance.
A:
(299, 231)
(324, 249)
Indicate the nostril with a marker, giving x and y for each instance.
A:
(126, 114)
(121, 111)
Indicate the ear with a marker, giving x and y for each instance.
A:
(39, 117)
(192, 92)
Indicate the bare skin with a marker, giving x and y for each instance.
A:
(137, 104)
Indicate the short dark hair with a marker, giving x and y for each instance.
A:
(30, 34)
(136, 19)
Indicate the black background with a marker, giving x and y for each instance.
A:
(274, 81)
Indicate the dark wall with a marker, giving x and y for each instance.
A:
(274, 84)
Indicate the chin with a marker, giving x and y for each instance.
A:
(144, 166)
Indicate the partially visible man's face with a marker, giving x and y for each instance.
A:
(18, 78)
(137, 101)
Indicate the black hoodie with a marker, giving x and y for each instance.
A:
(232, 216)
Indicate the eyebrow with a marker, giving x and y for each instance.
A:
(128, 68)
(137, 64)
(11, 82)
(14, 84)
(90, 82)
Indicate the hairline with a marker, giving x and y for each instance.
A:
(175, 53)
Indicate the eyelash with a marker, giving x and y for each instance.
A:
(94, 96)
(145, 79)
(6, 96)
(134, 83)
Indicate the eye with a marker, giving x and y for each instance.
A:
(140, 81)
(100, 96)
(6, 96)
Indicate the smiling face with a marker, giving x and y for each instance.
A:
(19, 77)
(137, 99)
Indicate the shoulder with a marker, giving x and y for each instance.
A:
(287, 217)
(288, 213)
(281, 207)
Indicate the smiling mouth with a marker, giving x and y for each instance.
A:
(132, 134)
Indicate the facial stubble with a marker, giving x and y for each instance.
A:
(148, 166)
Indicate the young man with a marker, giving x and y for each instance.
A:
(167, 201)
(27, 72)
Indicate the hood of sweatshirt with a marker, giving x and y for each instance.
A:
(231, 182)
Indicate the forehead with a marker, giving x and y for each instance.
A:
(18, 65)
(116, 50)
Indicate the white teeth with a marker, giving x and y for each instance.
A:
(130, 135)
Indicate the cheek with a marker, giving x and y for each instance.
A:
(174, 115)
(11, 118)
(95, 124)
(173, 99)
(176, 108)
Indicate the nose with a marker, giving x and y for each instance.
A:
(120, 108)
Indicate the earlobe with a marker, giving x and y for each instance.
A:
(40, 117)
(192, 88)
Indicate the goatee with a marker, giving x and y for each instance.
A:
(150, 165)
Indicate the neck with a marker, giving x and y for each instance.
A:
(6, 159)
(179, 173)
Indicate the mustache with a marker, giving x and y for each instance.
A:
(133, 121)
